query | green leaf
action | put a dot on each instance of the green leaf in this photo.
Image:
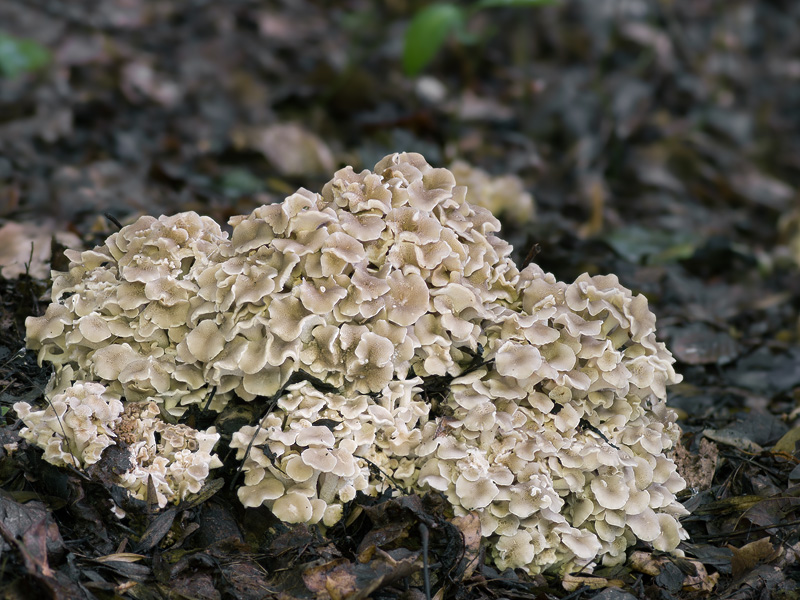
(503, 3)
(649, 246)
(240, 182)
(21, 56)
(427, 33)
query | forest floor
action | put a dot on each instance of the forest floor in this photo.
(661, 141)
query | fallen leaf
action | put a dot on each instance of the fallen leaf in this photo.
(652, 247)
(120, 557)
(695, 576)
(730, 438)
(767, 372)
(470, 527)
(699, 344)
(703, 581)
(787, 443)
(339, 578)
(746, 558)
(727, 507)
(772, 511)
(572, 582)
(157, 530)
(697, 469)
(22, 519)
(335, 578)
(26, 248)
(644, 562)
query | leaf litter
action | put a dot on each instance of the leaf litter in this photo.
(660, 140)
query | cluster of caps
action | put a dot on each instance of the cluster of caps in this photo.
(550, 419)
(502, 195)
(82, 419)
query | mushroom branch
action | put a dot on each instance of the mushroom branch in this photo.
(394, 342)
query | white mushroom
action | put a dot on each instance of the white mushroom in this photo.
(408, 298)
(475, 494)
(293, 508)
(584, 544)
(610, 491)
(436, 362)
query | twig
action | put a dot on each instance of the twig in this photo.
(730, 534)
(384, 473)
(426, 574)
(113, 219)
(532, 253)
(210, 398)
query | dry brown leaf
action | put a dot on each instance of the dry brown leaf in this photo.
(750, 555)
(730, 438)
(339, 578)
(470, 527)
(786, 444)
(334, 579)
(702, 581)
(120, 557)
(573, 582)
(26, 247)
(697, 469)
(644, 562)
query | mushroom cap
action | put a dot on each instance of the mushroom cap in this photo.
(205, 341)
(293, 508)
(320, 459)
(109, 361)
(315, 436)
(516, 549)
(475, 494)
(584, 544)
(94, 328)
(517, 360)
(646, 526)
(298, 469)
(610, 491)
(408, 298)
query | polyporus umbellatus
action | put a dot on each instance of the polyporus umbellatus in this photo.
(387, 337)
(502, 195)
(85, 418)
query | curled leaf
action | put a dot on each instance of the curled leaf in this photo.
(427, 33)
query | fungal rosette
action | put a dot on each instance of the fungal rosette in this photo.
(173, 460)
(323, 446)
(77, 425)
(503, 195)
(388, 340)
(118, 314)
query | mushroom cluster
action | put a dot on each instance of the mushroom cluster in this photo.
(560, 443)
(390, 341)
(313, 453)
(174, 460)
(120, 311)
(85, 418)
(502, 195)
(77, 425)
